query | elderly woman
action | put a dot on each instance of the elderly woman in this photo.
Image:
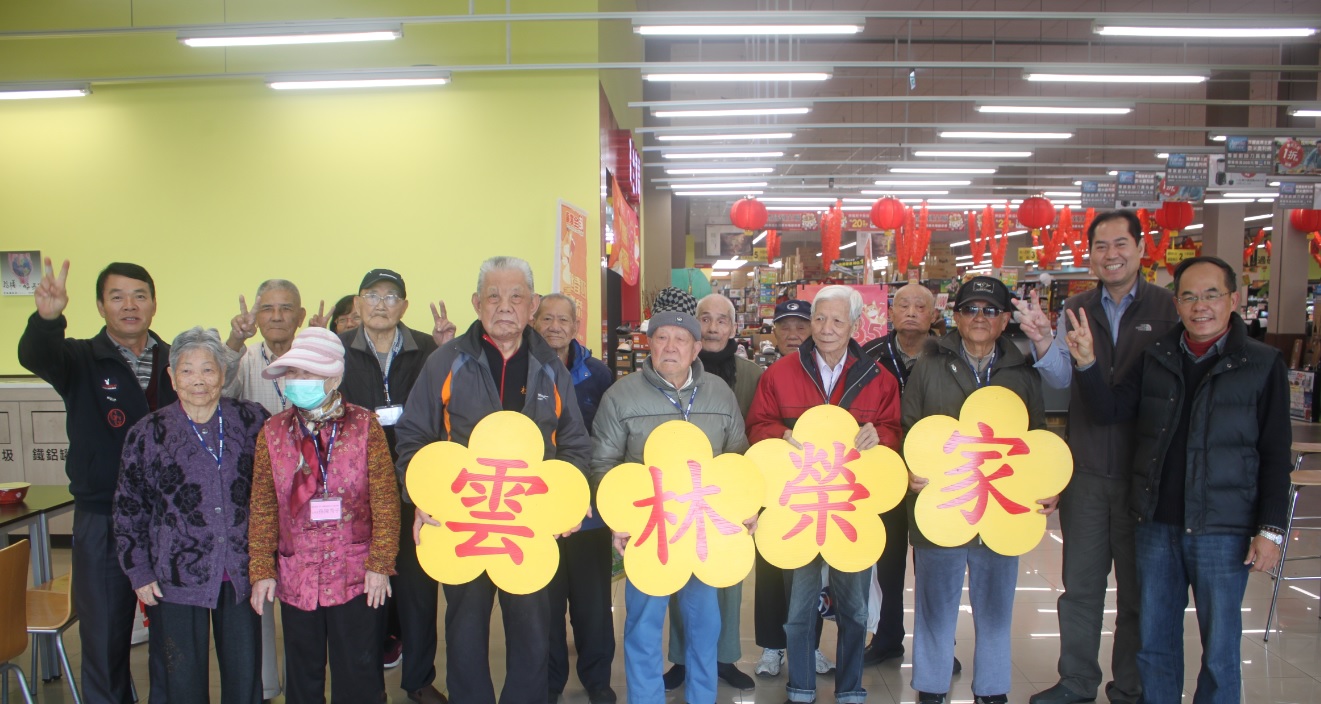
(325, 526)
(972, 356)
(829, 368)
(181, 524)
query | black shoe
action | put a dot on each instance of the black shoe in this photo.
(929, 698)
(732, 677)
(604, 695)
(1059, 694)
(958, 666)
(674, 677)
(992, 699)
(874, 654)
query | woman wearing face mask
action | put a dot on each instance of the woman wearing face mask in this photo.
(324, 526)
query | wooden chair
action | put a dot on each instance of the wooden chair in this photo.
(50, 613)
(13, 594)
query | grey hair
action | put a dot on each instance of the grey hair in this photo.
(278, 284)
(505, 264)
(716, 299)
(198, 338)
(573, 305)
(836, 292)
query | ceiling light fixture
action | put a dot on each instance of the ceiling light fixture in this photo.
(992, 134)
(42, 91)
(735, 112)
(275, 35)
(904, 193)
(760, 29)
(736, 76)
(1063, 194)
(719, 193)
(729, 264)
(760, 237)
(1267, 216)
(1204, 32)
(938, 170)
(722, 137)
(921, 183)
(737, 170)
(1217, 201)
(1115, 77)
(723, 155)
(744, 184)
(1308, 111)
(363, 79)
(1055, 109)
(973, 154)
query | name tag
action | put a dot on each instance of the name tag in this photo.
(326, 509)
(389, 415)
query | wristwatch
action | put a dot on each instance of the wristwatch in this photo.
(1274, 537)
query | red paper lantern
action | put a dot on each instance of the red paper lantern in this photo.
(1308, 221)
(748, 214)
(1174, 215)
(887, 213)
(1036, 212)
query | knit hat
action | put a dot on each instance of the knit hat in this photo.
(675, 318)
(315, 350)
(674, 299)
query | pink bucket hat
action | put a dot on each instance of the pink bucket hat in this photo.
(315, 350)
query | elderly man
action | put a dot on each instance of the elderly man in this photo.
(715, 315)
(672, 385)
(581, 585)
(1210, 480)
(108, 384)
(830, 368)
(499, 363)
(1126, 314)
(792, 325)
(969, 358)
(382, 360)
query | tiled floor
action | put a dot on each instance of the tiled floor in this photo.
(1288, 669)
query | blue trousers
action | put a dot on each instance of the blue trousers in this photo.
(849, 590)
(644, 662)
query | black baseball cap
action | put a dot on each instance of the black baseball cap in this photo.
(376, 276)
(793, 309)
(985, 288)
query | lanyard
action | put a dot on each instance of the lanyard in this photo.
(217, 456)
(898, 365)
(989, 363)
(675, 402)
(330, 449)
(274, 382)
(389, 360)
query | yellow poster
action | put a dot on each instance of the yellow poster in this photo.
(825, 497)
(683, 510)
(986, 473)
(500, 505)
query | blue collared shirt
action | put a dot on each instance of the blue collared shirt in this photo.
(1056, 366)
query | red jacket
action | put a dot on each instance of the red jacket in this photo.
(793, 385)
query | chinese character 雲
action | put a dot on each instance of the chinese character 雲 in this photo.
(494, 499)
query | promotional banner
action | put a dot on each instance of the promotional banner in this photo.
(1255, 155)
(825, 496)
(683, 510)
(626, 250)
(500, 505)
(1295, 157)
(21, 273)
(986, 473)
(571, 261)
(1187, 169)
(1099, 194)
(1297, 196)
(1137, 185)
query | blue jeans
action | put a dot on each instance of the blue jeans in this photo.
(643, 661)
(938, 586)
(1169, 561)
(849, 590)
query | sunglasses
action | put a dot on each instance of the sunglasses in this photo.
(973, 311)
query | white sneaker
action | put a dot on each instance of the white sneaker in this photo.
(823, 663)
(769, 664)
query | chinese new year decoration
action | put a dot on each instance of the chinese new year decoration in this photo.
(986, 472)
(500, 505)
(683, 510)
(1251, 249)
(1309, 222)
(1001, 245)
(824, 498)
(921, 239)
(831, 224)
(977, 239)
(1036, 213)
(748, 214)
(888, 214)
(772, 246)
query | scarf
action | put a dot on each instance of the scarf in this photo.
(721, 363)
(319, 422)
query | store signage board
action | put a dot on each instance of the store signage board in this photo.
(1219, 177)
(1137, 185)
(1099, 194)
(1297, 196)
(1295, 157)
(1254, 155)
(1187, 169)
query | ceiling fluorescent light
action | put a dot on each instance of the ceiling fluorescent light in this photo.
(921, 183)
(719, 193)
(904, 193)
(1267, 216)
(363, 79)
(1054, 110)
(935, 170)
(744, 170)
(974, 154)
(39, 92)
(729, 264)
(1218, 138)
(274, 35)
(734, 112)
(1206, 32)
(759, 29)
(1115, 77)
(722, 137)
(724, 155)
(985, 134)
(1217, 201)
(854, 243)
(736, 76)
(675, 185)
(760, 237)
(1300, 111)
(803, 199)
(1063, 194)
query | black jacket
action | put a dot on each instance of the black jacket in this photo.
(102, 401)
(1237, 454)
(363, 384)
(885, 350)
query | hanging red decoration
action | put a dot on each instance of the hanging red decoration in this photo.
(1175, 214)
(1068, 235)
(1252, 246)
(1307, 221)
(1035, 213)
(1087, 219)
(1314, 247)
(748, 214)
(888, 214)
(923, 238)
(772, 245)
(831, 224)
(1001, 243)
(1144, 218)
(977, 241)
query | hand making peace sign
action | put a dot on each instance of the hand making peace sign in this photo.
(444, 330)
(51, 294)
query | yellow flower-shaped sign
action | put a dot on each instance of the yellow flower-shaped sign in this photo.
(986, 473)
(499, 504)
(683, 510)
(826, 498)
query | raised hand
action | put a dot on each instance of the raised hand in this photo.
(444, 330)
(1034, 322)
(52, 296)
(320, 320)
(1080, 339)
(242, 327)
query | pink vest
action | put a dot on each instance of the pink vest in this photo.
(322, 563)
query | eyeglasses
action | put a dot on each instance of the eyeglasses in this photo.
(1189, 299)
(973, 311)
(390, 300)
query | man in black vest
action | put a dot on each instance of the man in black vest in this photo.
(1126, 314)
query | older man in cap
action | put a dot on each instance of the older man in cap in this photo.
(671, 385)
(792, 325)
(499, 363)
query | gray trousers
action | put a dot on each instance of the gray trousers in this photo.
(728, 648)
(1098, 529)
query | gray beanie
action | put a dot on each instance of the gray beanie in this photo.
(677, 319)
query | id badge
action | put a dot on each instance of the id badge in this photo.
(389, 415)
(326, 509)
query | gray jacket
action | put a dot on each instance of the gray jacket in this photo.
(642, 401)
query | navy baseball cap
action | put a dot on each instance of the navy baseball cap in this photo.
(793, 309)
(985, 288)
(376, 276)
